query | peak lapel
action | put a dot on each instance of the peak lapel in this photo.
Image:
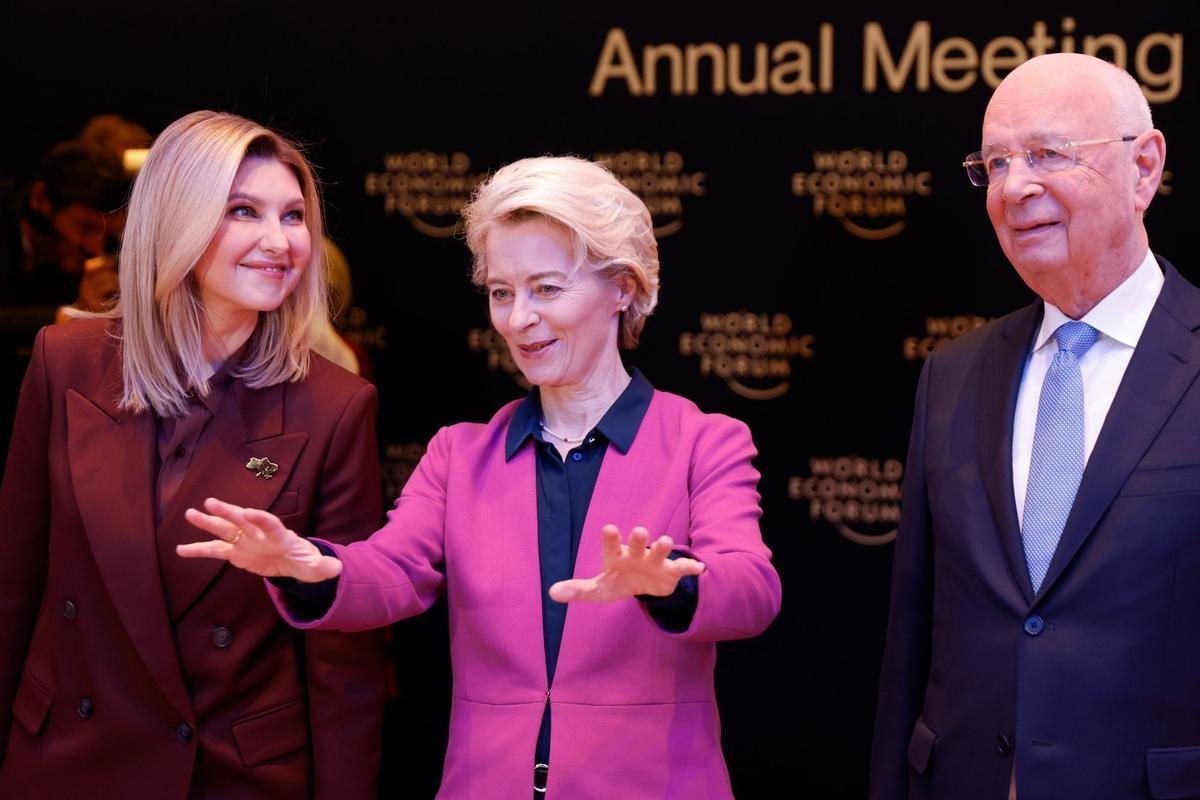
(249, 424)
(112, 462)
(1164, 365)
(1002, 364)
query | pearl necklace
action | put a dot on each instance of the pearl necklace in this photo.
(560, 437)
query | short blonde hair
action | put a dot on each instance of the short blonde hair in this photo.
(609, 225)
(177, 204)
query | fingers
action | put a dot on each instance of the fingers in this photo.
(234, 515)
(610, 543)
(328, 567)
(214, 549)
(687, 566)
(221, 528)
(265, 521)
(638, 538)
(576, 589)
(660, 549)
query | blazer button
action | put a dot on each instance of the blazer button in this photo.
(85, 707)
(70, 610)
(1034, 625)
(221, 636)
(183, 732)
(1003, 744)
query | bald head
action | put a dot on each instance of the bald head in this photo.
(1111, 93)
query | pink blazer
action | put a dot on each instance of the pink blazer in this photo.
(634, 711)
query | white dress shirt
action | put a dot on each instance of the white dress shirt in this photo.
(1120, 318)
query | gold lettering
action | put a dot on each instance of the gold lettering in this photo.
(616, 63)
(826, 50)
(1068, 42)
(944, 61)
(757, 84)
(876, 54)
(800, 66)
(716, 56)
(651, 55)
(1160, 87)
(1092, 45)
(991, 59)
(1039, 43)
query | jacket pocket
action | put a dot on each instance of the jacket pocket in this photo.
(920, 746)
(32, 704)
(1183, 479)
(286, 503)
(1173, 772)
(272, 733)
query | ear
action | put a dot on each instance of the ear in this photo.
(1150, 156)
(38, 200)
(626, 289)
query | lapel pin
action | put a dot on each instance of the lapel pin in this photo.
(263, 467)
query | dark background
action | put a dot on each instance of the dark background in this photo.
(500, 81)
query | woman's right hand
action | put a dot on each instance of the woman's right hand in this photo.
(258, 542)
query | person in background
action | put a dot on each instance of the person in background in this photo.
(57, 237)
(595, 539)
(124, 670)
(118, 136)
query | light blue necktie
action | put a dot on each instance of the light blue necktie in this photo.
(1056, 466)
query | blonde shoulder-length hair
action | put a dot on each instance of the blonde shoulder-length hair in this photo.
(609, 226)
(177, 204)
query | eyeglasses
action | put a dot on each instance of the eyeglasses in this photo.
(987, 169)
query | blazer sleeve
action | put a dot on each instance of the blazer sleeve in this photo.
(739, 590)
(346, 671)
(25, 526)
(906, 651)
(399, 571)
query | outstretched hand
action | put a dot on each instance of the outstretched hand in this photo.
(257, 542)
(629, 569)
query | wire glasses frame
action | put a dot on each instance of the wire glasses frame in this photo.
(1042, 158)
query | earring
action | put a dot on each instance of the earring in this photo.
(624, 308)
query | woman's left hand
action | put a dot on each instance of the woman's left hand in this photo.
(629, 569)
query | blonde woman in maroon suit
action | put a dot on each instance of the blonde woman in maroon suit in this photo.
(124, 670)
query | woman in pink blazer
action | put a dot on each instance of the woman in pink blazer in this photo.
(602, 699)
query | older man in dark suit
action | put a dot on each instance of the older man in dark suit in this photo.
(1045, 619)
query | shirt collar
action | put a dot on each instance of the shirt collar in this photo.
(619, 424)
(1122, 314)
(219, 383)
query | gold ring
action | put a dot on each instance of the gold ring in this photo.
(235, 539)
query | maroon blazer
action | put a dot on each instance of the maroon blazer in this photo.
(127, 671)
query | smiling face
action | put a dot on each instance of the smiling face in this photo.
(559, 322)
(262, 246)
(1062, 230)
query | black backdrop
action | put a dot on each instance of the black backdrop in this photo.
(817, 237)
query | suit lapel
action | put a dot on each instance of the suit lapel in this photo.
(517, 556)
(249, 424)
(1163, 366)
(613, 500)
(112, 462)
(1002, 365)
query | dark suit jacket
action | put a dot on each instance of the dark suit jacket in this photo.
(126, 671)
(1092, 684)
